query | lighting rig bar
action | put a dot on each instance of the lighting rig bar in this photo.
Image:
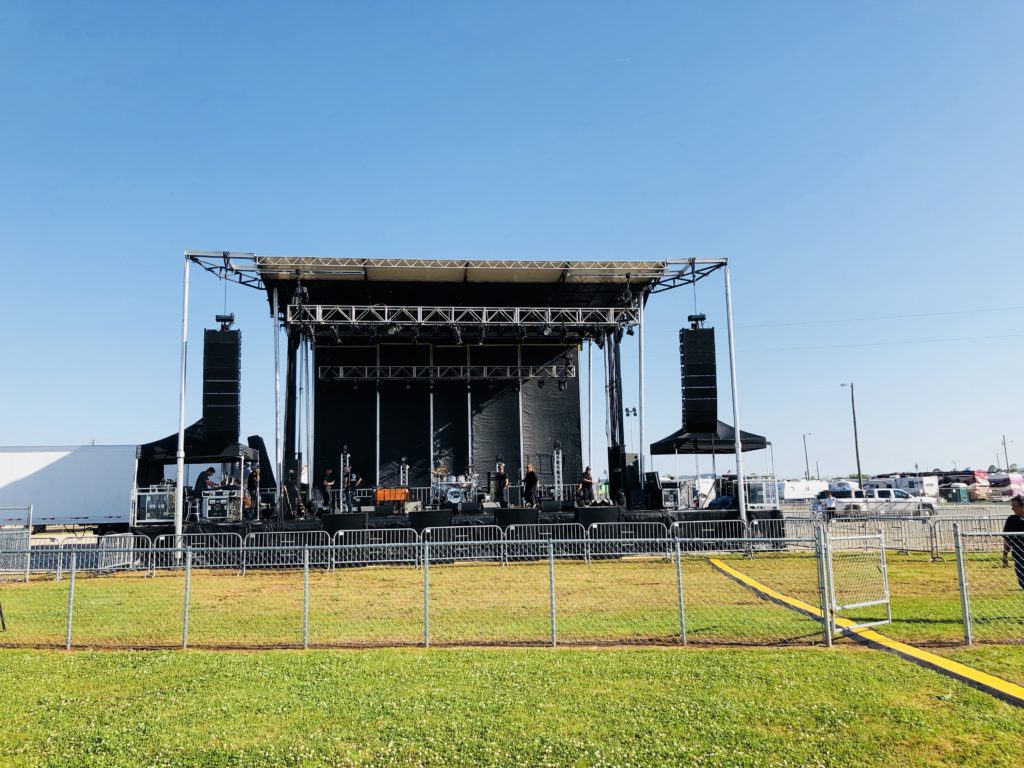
(446, 372)
(588, 317)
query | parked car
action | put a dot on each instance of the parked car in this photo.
(876, 501)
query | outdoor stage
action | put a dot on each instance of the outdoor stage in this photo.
(427, 374)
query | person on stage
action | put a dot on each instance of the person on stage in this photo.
(501, 486)
(327, 486)
(530, 485)
(586, 486)
(205, 482)
(350, 482)
(252, 486)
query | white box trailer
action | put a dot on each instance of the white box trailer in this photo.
(90, 485)
(801, 490)
(926, 485)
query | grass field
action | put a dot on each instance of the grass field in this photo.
(494, 707)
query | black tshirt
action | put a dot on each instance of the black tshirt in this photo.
(200, 485)
(328, 479)
(531, 480)
(253, 483)
(1015, 524)
(500, 479)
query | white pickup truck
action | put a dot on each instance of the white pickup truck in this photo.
(876, 501)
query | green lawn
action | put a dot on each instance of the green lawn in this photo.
(530, 707)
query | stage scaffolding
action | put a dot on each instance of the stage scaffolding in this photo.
(602, 299)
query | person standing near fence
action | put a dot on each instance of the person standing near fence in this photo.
(1015, 544)
(501, 486)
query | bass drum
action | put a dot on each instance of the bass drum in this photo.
(455, 496)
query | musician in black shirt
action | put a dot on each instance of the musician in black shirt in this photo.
(530, 485)
(1015, 544)
(501, 486)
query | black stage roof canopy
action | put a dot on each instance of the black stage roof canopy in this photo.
(719, 441)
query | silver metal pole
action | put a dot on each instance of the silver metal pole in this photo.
(590, 403)
(965, 597)
(640, 334)
(469, 418)
(426, 590)
(430, 395)
(522, 465)
(377, 443)
(188, 597)
(277, 402)
(740, 486)
(71, 600)
(679, 591)
(28, 547)
(305, 596)
(179, 483)
(311, 404)
(551, 590)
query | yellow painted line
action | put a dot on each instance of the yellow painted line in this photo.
(996, 686)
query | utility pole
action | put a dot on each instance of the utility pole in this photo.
(807, 463)
(1005, 456)
(856, 441)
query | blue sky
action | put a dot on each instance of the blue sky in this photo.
(859, 164)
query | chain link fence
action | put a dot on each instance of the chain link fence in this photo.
(625, 583)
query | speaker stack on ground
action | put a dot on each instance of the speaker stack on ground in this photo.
(431, 518)
(699, 383)
(344, 521)
(516, 516)
(586, 516)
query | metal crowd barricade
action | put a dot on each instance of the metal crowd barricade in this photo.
(283, 549)
(942, 531)
(87, 554)
(700, 535)
(624, 539)
(124, 551)
(526, 542)
(209, 550)
(15, 554)
(465, 542)
(376, 546)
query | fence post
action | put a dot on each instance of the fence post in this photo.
(551, 590)
(60, 561)
(824, 601)
(28, 546)
(305, 596)
(679, 590)
(71, 601)
(933, 541)
(426, 593)
(961, 577)
(188, 596)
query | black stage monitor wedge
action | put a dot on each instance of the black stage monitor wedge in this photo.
(699, 379)
(222, 365)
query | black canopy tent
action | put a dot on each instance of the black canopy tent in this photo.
(201, 447)
(722, 440)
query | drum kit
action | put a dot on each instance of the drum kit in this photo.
(453, 489)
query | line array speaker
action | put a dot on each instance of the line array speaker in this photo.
(222, 373)
(699, 379)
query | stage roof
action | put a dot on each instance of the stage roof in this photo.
(263, 271)
(722, 440)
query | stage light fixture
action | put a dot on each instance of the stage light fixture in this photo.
(562, 385)
(355, 385)
(392, 329)
(547, 329)
(457, 332)
(408, 385)
(629, 330)
(540, 383)
(335, 334)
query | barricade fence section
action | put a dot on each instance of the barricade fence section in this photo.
(448, 587)
(990, 571)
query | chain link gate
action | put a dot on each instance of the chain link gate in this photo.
(855, 581)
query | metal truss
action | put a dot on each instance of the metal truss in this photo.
(474, 317)
(227, 265)
(686, 272)
(559, 371)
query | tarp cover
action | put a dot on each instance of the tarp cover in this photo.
(200, 446)
(720, 441)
